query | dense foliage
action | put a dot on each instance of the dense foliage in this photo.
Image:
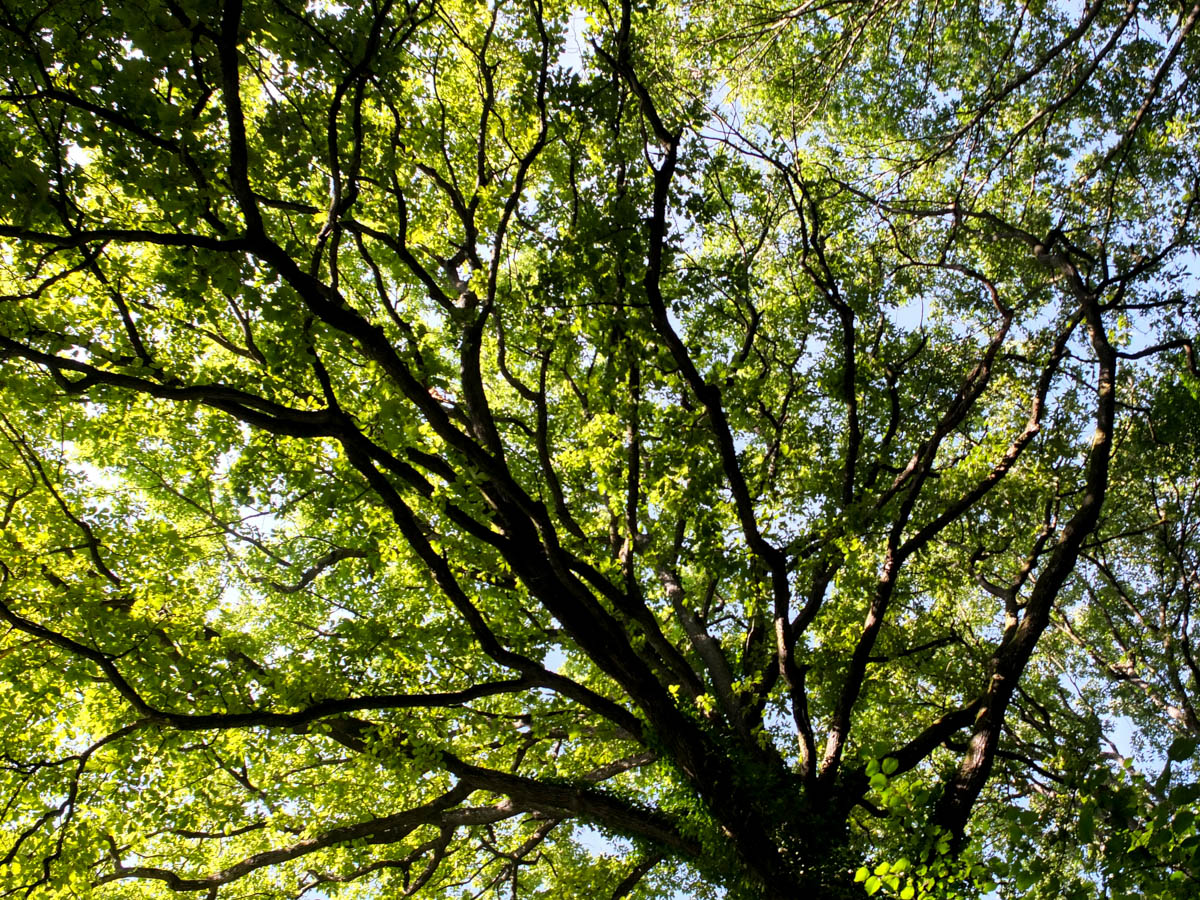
(469, 448)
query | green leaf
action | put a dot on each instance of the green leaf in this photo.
(1086, 824)
(1181, 749)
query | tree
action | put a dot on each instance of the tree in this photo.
(440, 435)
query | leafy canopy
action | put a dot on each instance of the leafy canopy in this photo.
(463, 449)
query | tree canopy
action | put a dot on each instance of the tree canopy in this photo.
(511, 448)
